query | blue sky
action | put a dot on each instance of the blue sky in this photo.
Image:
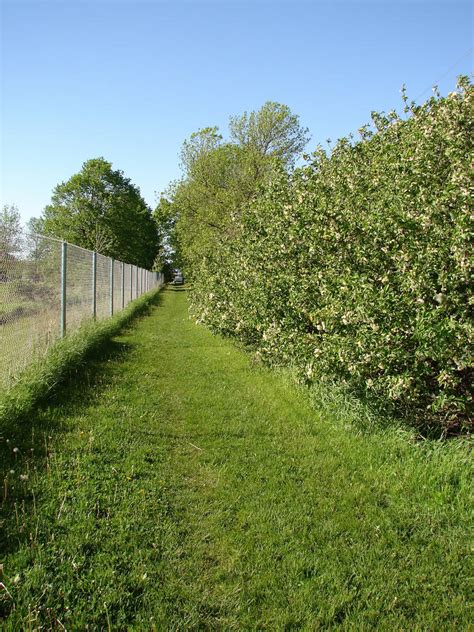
(130, 80)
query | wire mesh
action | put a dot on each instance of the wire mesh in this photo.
(31, 309)
(78, 286)
(127, 283)
(103, 286)
(134, 282)
(29, 301)
(117, 287)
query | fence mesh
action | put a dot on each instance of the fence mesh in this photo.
(78, 285)
(48, 288)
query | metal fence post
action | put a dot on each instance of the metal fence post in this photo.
(94, 285)
(122, 284)
(111, 286)
(136, 281)
(131, 282)
(63, 287)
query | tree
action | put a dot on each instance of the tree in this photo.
(200, 213)
(199, 144)
(100, 209)
(39, 248)
(10, 230)
(35, 225)
(273, 130)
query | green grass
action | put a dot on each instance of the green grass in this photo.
(49, 368)
(11, 300)
(176, 485)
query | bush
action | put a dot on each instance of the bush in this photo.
(358, 265)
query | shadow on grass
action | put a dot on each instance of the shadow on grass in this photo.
(25, 442)
(176, 288)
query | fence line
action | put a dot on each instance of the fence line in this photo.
(49, 287)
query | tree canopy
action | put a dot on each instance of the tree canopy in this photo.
(10, 230)
(272, 131)
(100, 209)
(220, 177)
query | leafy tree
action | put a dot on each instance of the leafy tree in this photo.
(10, 230)
(99, 208)
(35, 225)
(273, 130)
(199, 144)
(40, 248)
(200, 213)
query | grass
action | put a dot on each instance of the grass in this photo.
(47, 370)
(31, 327)
(175, 484)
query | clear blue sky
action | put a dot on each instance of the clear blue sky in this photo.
(130, 80)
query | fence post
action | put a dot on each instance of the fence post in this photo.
(94, 285)
(131, 282)
(63, 287)
(136, 281)
(122, 285)
(111, 286)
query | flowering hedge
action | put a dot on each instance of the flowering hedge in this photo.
(357, 266)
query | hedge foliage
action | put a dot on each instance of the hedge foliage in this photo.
(357, 265)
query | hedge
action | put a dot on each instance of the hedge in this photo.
(357, 266)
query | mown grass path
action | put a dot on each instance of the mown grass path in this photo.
(177, 486)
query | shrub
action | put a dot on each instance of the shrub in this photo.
(358, 265)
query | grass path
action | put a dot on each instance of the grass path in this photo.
(176, 486)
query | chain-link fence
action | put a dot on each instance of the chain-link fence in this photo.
(49, 287)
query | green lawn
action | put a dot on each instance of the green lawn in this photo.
(175, 485)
